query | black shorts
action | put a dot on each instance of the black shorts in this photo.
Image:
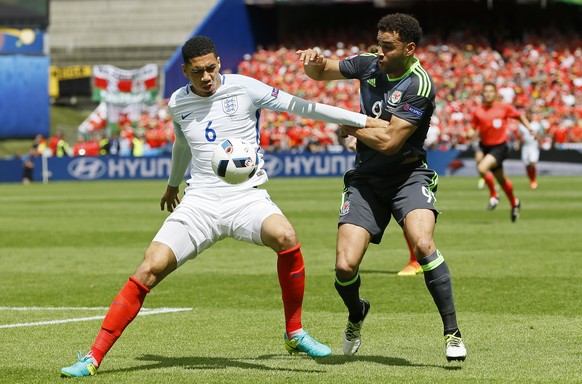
(27, 173)
(370, 201)
(500, 152)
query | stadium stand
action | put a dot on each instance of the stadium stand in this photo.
(544, 72)
(542, 65)
(124, 33)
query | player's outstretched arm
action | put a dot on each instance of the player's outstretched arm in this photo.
(381, 135)
(181, 157)
(525, 122)
(319, 67)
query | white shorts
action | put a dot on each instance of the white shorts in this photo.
(530, 153)
(204, 217)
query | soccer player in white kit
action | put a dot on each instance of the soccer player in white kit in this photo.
(530, 151)
(213, 107)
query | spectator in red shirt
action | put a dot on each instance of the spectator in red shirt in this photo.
(79, 148)
(490, 121)
(575, 133)
(560, 133)
(54, 141)
(84, 147)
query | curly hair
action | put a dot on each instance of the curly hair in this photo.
(197, 46)
(405, 25)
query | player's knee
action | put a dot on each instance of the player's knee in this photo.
(287, 239)
(423, 247)
(482, 169)
(278, 233)
(157, 264)
(281, 240)
(344, 269)
(144, 275)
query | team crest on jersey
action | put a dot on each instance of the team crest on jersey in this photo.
(395, 97)
(230, 105)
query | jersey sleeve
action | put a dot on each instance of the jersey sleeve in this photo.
(512, 112)
(181, 157)
(354, 67)
(265, 96)
(474, 120)
(414, 108)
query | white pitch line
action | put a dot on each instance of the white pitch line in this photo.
(67, 309)
(143, 312)
(55, 308)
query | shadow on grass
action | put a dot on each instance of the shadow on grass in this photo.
(377, 272)
(210, 363)
(384, 360)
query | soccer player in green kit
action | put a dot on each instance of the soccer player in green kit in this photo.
(391, 177)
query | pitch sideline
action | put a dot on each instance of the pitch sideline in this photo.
(142, 312)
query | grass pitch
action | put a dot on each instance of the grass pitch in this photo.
(67, 248)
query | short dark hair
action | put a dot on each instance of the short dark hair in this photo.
(490, 84)
(405, 25)
(197, 46)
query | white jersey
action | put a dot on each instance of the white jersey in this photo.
(530, 149)
(526, 135)
(233, 111)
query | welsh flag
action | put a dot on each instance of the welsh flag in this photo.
(120, 92)
(117, 86)
(96, 121)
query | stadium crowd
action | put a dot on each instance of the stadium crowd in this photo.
(541, 74)
(152, 134)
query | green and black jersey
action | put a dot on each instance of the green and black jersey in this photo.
(411, 97)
